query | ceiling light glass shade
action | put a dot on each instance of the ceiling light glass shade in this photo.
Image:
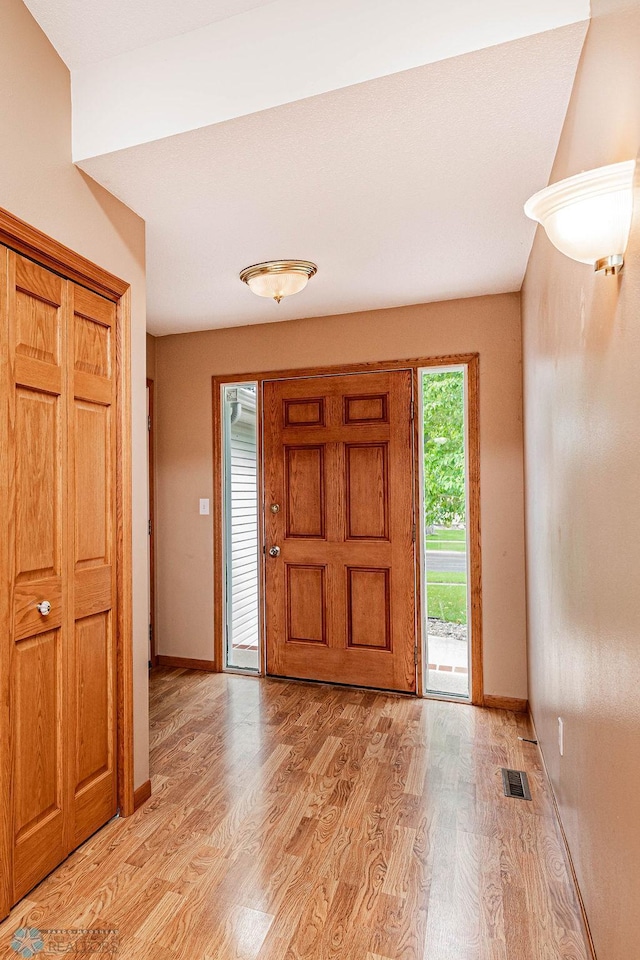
(588, 217)
(278, 278)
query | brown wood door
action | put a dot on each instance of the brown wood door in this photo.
(57, 565)
(338, 463)
(36, 535)
(91, 555)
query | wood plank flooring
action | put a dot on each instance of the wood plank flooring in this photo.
(293, 821)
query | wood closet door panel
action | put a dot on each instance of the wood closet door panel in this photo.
(92, 567)
(36, 331)
(39, 764)
(57, 493)
(340, 597)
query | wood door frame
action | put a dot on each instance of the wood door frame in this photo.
(151, 448)
(472, 363)
(35, 245)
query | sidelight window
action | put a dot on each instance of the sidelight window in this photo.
(240, 526)
(445, 538)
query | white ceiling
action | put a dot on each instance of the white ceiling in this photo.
(405, 189)
(88, 31)
(392, 143)
(285, 51)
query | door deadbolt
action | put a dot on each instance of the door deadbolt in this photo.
(274, 551)
(275, 508)
(44, 608)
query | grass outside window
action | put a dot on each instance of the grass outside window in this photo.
(447, 540)
(447, 601)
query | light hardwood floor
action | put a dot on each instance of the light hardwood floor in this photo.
(303, 821)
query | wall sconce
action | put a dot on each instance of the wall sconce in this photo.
(588, 217)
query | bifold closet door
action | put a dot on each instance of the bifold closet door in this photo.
(57, 565)
(92, 555)
(36, 518)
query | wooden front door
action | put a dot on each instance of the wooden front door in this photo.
(338, 465)
(57, 564)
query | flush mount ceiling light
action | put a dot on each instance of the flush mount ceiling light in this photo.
(588, 217)
(278, 278)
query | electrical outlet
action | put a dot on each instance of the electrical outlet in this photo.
(561, 736)
(204, 508)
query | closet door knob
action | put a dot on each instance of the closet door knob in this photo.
(44, 608)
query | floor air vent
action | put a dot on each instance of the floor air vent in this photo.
(516, 784)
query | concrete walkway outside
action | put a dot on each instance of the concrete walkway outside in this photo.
(448, 665)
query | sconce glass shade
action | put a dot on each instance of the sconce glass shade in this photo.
(588, 217)
(278, 278)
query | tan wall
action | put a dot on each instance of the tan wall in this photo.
(185, 364)
(40, 185)
(151, 357)
(582, 426)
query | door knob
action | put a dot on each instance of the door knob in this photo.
(44, 608)
(274, 551)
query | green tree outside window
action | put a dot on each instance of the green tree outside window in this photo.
(444, 467)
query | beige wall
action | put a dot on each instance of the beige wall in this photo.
(39, 184)
(185, 364)
(151, 357)
(582, 432)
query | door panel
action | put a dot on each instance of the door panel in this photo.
(340, 597)
(307, 412)
(36, 713)
(38, 766)
(366, 409)
(36, 521)
(38, 324)
(304, 491)
(92, 339)
(91, 439)
(93, 590)
(369, 607)
(306, 603)
(93, 663)
(27, 619)
(367, 491)
(94, 802)
(37, 429)
(92, 570)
